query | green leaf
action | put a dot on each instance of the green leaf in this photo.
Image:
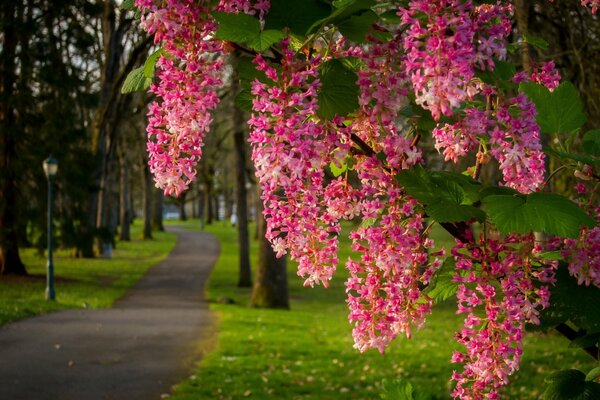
(248, 73)
(591, 142)
(536, 41)
(570, 385)
(150, 63)
(298, 16)
(128, 5)
(266, 39)
(238, 28)
(442, 285)
(357, 27)
(447, 197)
(244, 100)
(537, 212)
(398, 389)
(504, 70)
(559, 111)
(345, 10)
(136, 81)
(586, 159)
(337, 171)
(593, 375)
(573, 302)
(339, 91)
(589, 340)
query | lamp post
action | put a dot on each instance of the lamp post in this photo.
(50, 168)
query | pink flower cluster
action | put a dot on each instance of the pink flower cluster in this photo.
(498, 294)
(291, 150)
(189, 75)
(442, 53)
(514, 140)
(546, 75)
(593, 4)
(583, 254)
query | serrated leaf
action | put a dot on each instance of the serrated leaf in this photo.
(345, 10)
(572, 302)
(589, 340)
(573, 156)
(536, 41)
(504, 70)
(442, 285)
(136, 81)
(244, 100)
(266, 39)
(559, 111)
(570, 385)
(537, 212)
(128, 5)
(248, 73)
(447, 197)
(238, 28)
(591, 142)
(337, 171)
(357, 27)
(339, 91)
(298, 16)
(150, 63)
(593, 375)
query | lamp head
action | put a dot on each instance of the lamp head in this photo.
(50, 167)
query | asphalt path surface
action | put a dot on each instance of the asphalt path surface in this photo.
(138, 349)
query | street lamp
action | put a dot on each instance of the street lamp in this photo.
(50, 168)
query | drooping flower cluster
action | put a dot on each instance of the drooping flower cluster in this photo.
(546, 75)
(442, 54)
(499, 295)
(516, 144)
(583, 254)
(188, 77)
(514, 140)
(291, 150)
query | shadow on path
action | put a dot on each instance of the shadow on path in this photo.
(138, 349)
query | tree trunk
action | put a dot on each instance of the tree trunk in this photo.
(181, 201)
(124, 200)
(245, 273)
(208, 204)
(10, 260)
(270, 286)
(148, 191)
(157, 211)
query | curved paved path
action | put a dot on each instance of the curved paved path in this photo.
(138, 349)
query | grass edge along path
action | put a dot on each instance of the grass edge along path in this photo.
(307, 353)
(81, 282)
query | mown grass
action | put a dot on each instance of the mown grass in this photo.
(306, 353)
(79, 282)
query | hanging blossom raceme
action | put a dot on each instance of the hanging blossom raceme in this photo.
(290, 150)
(441, 55)
(383, 289)
(189, 74)
(546, 75)
(583, 254)
(515, 142)
(500, 291)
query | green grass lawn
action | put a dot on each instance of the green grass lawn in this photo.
(306, 353)
(80, 282)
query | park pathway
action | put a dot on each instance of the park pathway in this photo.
(136, 350)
